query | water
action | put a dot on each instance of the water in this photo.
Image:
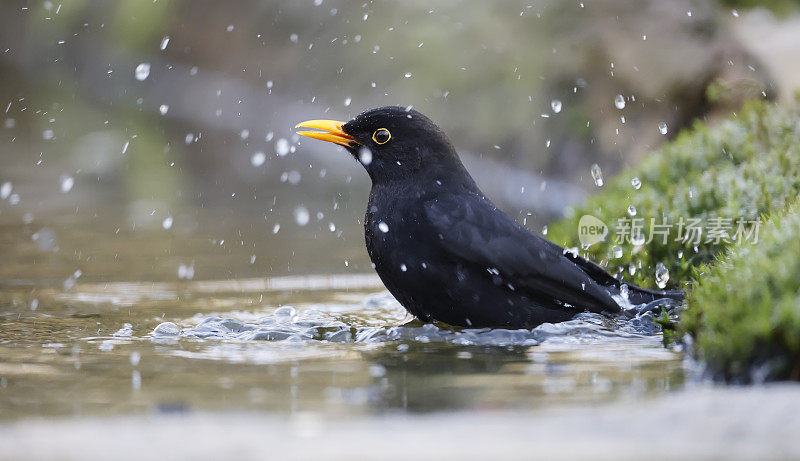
(114, 329)
(662, 275)
(142, 71)
(148, 323)
(597, 175)
(619, 102)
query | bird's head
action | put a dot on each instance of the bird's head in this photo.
(390, 142)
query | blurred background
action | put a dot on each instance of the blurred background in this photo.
(156, 206)
(153, 140)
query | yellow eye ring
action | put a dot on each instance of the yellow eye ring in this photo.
(381, 136)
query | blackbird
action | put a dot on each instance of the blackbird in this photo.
(445, 251)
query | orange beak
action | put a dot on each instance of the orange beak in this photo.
(331, 131)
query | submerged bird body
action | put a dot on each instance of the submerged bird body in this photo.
(445, 251)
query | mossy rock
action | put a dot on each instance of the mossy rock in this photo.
(744, 310)
(740, 169)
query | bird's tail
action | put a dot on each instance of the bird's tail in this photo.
(638, 295)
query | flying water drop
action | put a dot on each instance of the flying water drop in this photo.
(282, 147)
(142, 71)
(5, 190)
(258, 158)
(167, 223)
(662, 275)
(555, 104)
(164, 42)
(301, 216)
(636, 183)
(597, 175)
(163, 109)
(631, 210)
(67, 182)
(365, 156)
(619, 102)
(662, 127)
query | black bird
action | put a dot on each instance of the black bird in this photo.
(444, 250)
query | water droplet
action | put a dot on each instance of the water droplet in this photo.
(632, 269)
(383, 227)
(597, 175)
(167, 329)
(5, 190)
(189, 138)
(282, 147)
(735, 13)
(67, 182)
(403, 267)
(163, 109)
(636, 183)
(164, 42)
(619, 102)
(637, 240)
(244, 134)
(301, 216)
(332, 227)
(276, 228)
(365, 155)
(662, 275)
(285, 313)
(185, 272)
(48, 135)
(662, 127)
(408, 75)
(136, 380)
(347, 101)
(616, 250)
(135, 358)
(544, 230)
(293, 177)
(167, 222)
(142, 71)
(258, 158)
(631, 210)
(555, 104)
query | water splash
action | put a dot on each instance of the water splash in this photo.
(381, 319)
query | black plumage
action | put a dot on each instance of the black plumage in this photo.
(444, 250)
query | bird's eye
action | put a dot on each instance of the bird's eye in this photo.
(381, 136)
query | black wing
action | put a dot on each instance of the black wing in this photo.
(473, 229)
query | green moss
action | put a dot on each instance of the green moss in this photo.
(739, 169)
(744, 310)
